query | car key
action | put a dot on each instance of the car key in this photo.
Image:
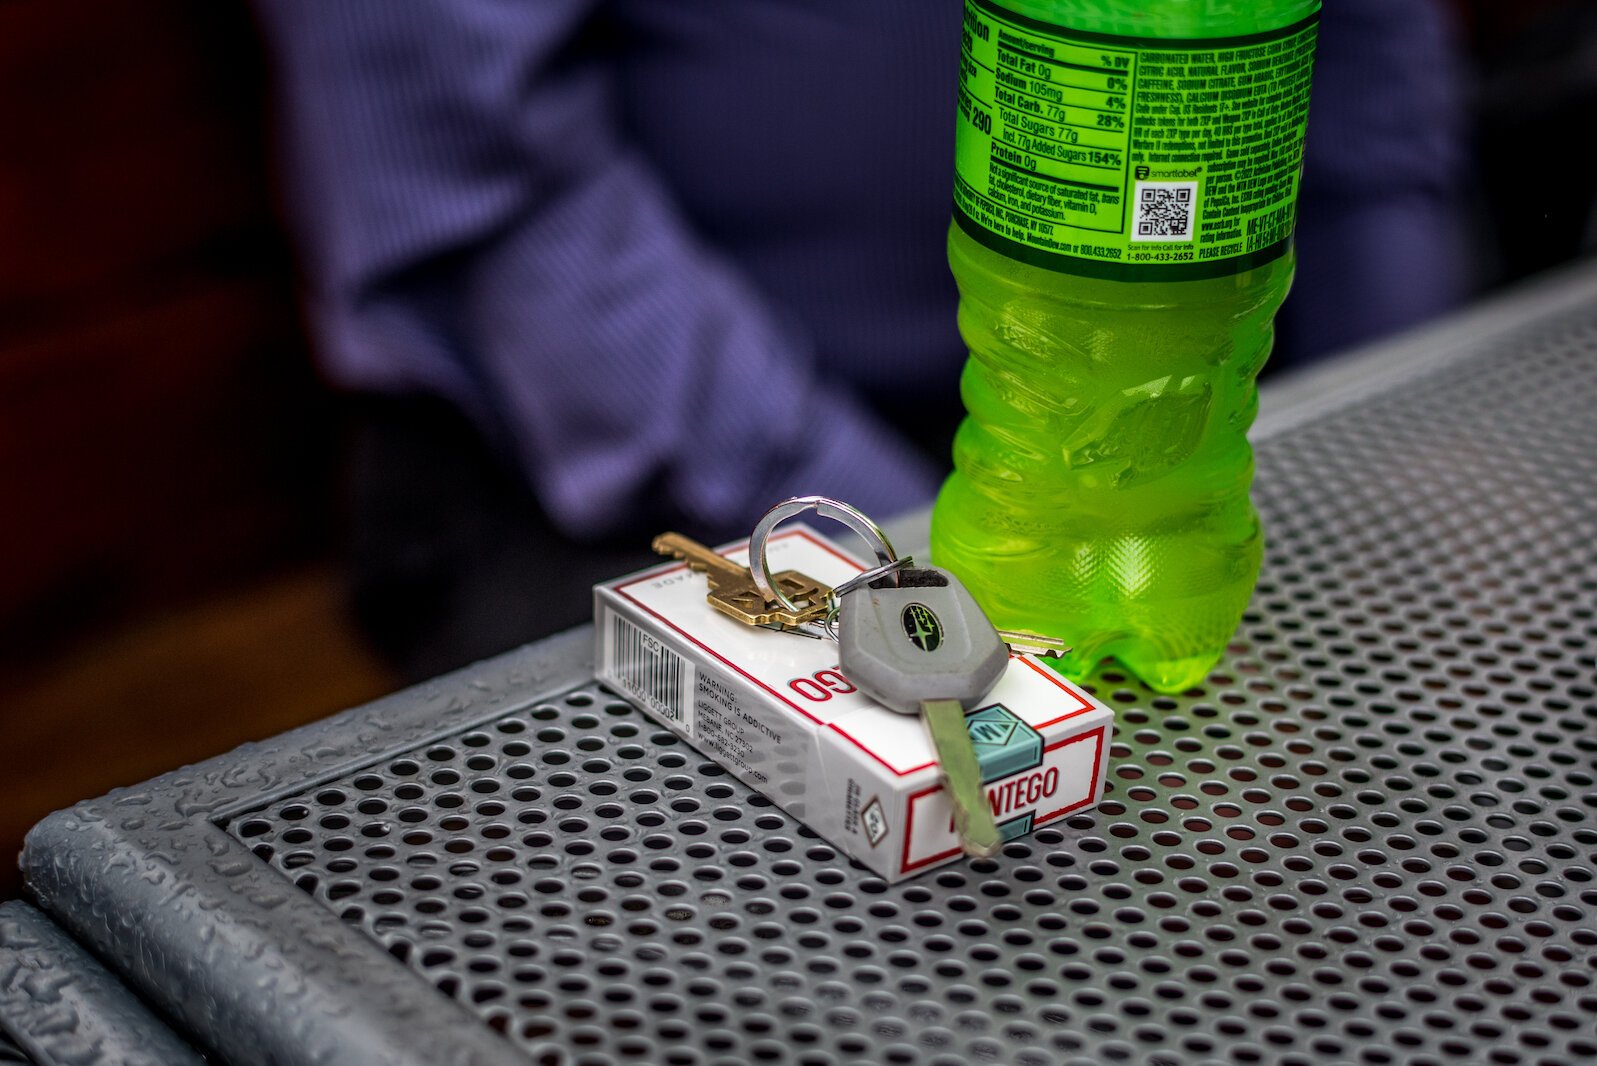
(733, 591)
(927, 648)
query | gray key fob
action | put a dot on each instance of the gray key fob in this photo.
(928, 639)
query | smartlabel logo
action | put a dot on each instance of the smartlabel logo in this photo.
(922, 627)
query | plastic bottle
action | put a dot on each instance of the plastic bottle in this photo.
(1100, 491)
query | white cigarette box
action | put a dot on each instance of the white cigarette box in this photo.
(774, 709)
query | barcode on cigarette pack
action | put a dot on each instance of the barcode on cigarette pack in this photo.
(651, 673)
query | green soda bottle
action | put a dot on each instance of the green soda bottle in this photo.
(1126, 183)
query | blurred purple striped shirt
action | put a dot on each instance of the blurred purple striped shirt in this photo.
(670, 253)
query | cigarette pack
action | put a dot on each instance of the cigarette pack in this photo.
(774, 709)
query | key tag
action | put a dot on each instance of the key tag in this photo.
(888, 563)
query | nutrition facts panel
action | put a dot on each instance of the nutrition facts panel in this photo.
(1130, 157)
(1059, 124)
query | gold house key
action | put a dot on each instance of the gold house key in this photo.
(734, 593)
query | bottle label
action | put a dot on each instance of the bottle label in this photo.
(1131, 158)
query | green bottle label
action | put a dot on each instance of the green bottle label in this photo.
(1130, 158)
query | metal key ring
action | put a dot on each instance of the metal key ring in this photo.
(875, 573)
(826, 507)
(864, 577)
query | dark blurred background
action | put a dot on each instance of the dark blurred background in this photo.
(167, 453)
(170, 583)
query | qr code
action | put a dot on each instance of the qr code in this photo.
(1164, 210)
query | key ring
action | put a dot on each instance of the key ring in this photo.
(875, 573)
(864, 577)
(826, 507)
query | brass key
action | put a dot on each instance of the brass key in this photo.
(732, 588)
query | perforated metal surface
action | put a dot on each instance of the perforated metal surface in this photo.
(1370, 837)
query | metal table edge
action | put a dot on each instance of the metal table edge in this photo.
(61, 1006)
(142, 874)
(1344, 380)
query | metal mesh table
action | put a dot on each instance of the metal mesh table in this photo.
(1369, 837)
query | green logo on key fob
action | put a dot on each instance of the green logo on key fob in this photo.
(922, 627)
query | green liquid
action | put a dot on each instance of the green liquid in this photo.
(1100, 491)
